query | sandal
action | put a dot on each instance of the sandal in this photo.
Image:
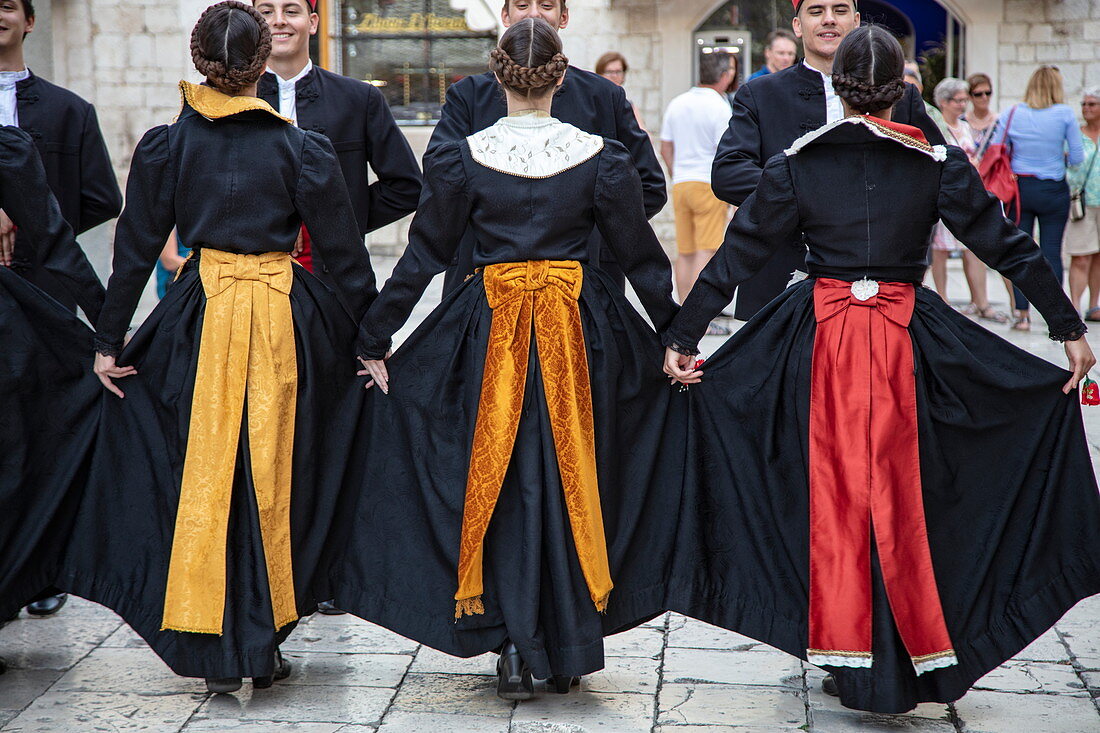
(970, 310)
(1022, 322)
(989, 314)
(1092, 314)
(717, 329)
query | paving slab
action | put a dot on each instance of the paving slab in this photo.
(584, 712)
(446, 694)
(1024, 676)
(55, 642)
(219, 725)
(360, 670)
(20, 687)
(1047, 648)
(136, 670)
(692, 634)
(301, 704)
(117, 712)
(346, 634)
(768, 668)
(852, 721)
(644, 641)
(706, 704)
(400, 721)
(430, 661)
(624, 674)
(1007, 712)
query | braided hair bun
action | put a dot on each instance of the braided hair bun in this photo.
(868, 69)
(529, 60)
(230, 45)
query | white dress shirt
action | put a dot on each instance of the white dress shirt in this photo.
(287, 97)
(834, 109)
(9, 115)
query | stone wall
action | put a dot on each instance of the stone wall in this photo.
(1065, 33)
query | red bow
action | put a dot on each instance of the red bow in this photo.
(894, 300)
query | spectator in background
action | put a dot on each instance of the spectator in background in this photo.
(913, 76)
(1083, 237)
(981, 117)
(951, 96)
(171, 259)
(1042, 128)
(694, 123)
(613, 67)
(780, 51)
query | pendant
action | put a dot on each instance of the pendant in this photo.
(864, 289)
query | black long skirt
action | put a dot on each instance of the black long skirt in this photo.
(401, 567)
(1010, 498)
(49, 401)
(122, 539)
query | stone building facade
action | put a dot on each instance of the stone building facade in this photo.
(127, 55)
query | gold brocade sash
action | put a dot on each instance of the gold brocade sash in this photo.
(541, 296)
(247, 347)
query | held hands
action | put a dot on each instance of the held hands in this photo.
(106, 369)
(7, 240)
(299, 245)
(376, 370)
(681, 368)
(1081, 359)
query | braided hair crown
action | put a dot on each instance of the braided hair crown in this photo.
(528, 59)
(868, 69)
(230, 45)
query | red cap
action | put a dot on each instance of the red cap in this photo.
(313, 4)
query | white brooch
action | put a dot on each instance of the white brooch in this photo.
(864, 289)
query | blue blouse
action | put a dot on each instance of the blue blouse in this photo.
(1040, 139)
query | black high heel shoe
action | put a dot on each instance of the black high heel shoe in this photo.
(561, 683)
(514, 680)
(223, 685)
(282, 671)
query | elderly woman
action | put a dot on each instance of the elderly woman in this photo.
(1082, 240)
(1043, 134)
(951, 96)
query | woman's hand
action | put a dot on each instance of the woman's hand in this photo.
(1081, 359)
(106, 369)
(681, 367)
(376, 370)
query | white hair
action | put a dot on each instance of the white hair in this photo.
(1093, 92)
(948, 88)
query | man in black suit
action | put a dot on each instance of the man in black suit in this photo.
(771, 112)
(585, 100)
(351, 113)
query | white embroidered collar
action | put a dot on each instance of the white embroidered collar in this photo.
(532, 146)
(936, 152)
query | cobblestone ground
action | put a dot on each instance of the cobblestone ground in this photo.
(83, 670)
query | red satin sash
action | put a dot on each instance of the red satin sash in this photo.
(864, 472)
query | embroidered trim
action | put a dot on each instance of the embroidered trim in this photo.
(1074, 334)
(939, 660)
(936, 152)
(838, 658)
(533, 147)
(214, 105)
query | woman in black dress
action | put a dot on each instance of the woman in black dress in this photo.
(874, 483)
(510, 502)
(48, 395)
(217, 483)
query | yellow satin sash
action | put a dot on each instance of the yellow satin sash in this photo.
(246, 349)
(540, 296)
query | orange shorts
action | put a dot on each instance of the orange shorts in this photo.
(701, 217)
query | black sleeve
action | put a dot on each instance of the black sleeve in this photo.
(397, 189)
(637, 142)
(767, 220)
(455, 120)
(622, 224)
(440, 220)
(100, 197)
(737, 164)
(25, 195)
(322, 199)
(917, 115)
(142, 230)
(976, 218)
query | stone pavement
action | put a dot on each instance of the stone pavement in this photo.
(84, 671)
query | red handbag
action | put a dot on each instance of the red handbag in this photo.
(995, 169)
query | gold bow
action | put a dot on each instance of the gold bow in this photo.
(246, 348)
(540, 296)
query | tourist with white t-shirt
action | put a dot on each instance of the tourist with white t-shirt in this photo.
(693, 124)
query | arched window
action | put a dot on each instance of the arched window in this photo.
(412, 50)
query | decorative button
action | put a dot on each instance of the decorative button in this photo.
(864, 289)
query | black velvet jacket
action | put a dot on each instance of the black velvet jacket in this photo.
(243, 183)
(25, 196)
(585, 100)
(770, 113)
(355, 117)
(66, 132)
(866, 205)
(517, 219)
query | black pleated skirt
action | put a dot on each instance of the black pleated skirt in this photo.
(49, 403)
(400, 570)
(121, 540)
(1010, 497)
